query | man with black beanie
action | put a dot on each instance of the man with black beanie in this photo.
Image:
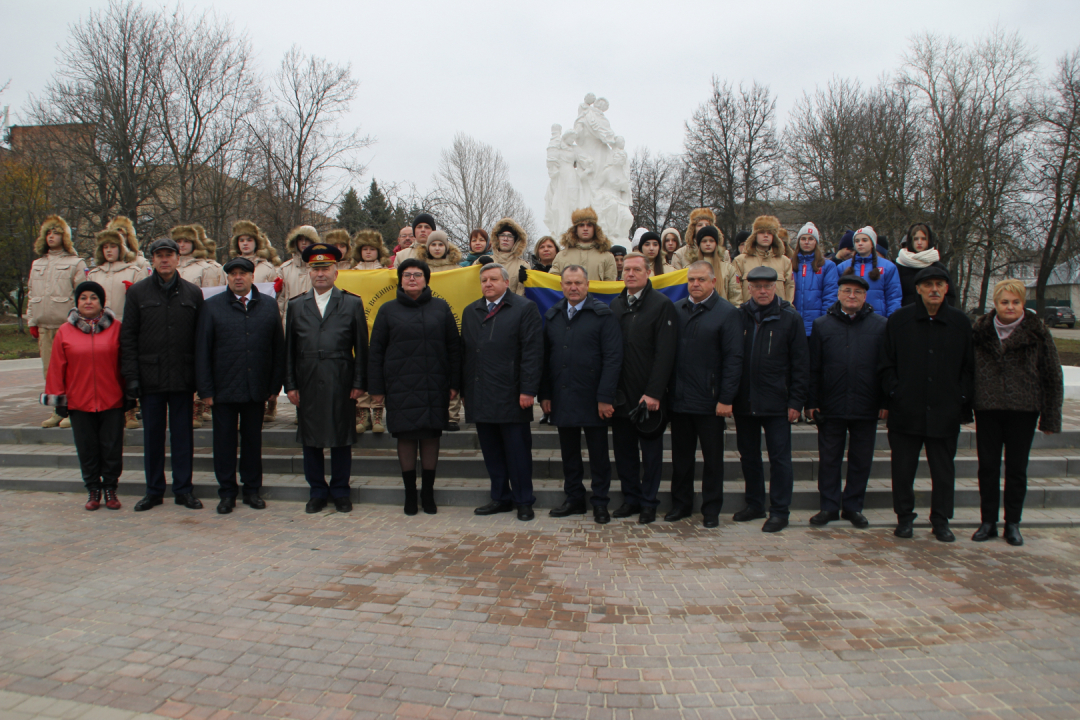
(422, 226)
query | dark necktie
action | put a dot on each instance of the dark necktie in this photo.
(573, 312)
(491, 307)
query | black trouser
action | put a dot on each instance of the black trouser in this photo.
(99, 441)
(340, 469)
(574, 468)
(1013, 431)
(507, 449)
(178, 407)
(250, 417)
(781, 477)
(687, 431)
(637, 489)
(940, 455)
(832, 433)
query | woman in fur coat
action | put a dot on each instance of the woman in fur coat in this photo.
(1018, 383)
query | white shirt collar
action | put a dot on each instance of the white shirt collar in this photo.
(248, 296)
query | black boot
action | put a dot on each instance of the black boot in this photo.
(409, 478)
(427, 491)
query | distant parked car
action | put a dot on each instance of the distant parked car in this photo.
(1055, 315)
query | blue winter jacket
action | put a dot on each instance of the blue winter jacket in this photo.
(815, 293)
(885, 294)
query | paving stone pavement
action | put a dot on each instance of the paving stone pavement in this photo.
(278, 614)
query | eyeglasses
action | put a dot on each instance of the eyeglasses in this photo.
(412, 275)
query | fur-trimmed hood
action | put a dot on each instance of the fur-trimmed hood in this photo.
(54, 222)
(518, 251)
(106, 237)
(263, 248)
(127, 230)
(770, 224)
(570, 239)
(691, 232)
(196, 234)
(300, 231)
(372, 239)
(452, 257)
(340, 236)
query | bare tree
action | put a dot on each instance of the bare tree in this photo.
(733, 149)
(207, 92)
(473, 190)
(1056, 168)
(102, 107)
(661, 187)
(305, 157)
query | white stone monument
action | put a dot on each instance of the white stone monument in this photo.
(589, 167)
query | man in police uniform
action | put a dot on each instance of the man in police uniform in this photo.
(325, 373)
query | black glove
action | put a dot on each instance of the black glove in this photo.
(132, 391)
(485, 259)
(130, 403)
(61, 410)
(523, 274)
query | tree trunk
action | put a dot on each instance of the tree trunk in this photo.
(988, 266)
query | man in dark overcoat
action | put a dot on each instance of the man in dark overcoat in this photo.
(325, 373)
(582, 357)
(157, 359)
(239, 364)
(845, 399)
(708, 368)
(927, 373)
(503, 339)
(649, 333)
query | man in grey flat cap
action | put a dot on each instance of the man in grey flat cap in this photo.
(775, 382)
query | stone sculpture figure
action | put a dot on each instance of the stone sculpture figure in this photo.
(589, 167)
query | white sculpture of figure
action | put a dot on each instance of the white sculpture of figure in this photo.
(555, 146)
(600, 175)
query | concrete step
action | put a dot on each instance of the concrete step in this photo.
(803, 438)
(546, 463)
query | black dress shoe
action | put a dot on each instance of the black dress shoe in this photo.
(774, 524)
(600, 514)
(494, 507)
(525, 513)
(626, 510)
(315, 505)
(855, 518)
(452, 427)
(943, 533)
(676, 514)
(255, 502)
(343, 504)
(148, 502)
(226, 505)
(647, 516)
(748, 513)
(545, 420)
(905, 529)
(189, 501)
(1012, 534)
(711, 521)
(985, 532)
(568, 508)
(824, 517)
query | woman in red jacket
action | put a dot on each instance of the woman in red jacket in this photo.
(84, 383)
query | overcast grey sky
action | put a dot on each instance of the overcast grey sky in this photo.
(503, 72)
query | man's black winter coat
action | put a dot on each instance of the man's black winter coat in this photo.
(649, 335)
(239, 353)
(325, 360)
(503, 358)
(415, 360)
(157, 337)
(582, 358)
(928, 370)
(709, 358)
(776, 361)
(844, 354)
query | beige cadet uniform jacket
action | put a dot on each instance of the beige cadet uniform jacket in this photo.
(295, 281)
(201, 272)
(111, 277)
(599, 265)
(785, 284)
(53, 279)
(265, 272)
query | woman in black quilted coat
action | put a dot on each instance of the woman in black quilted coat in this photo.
(1018, 383)
(415, 362)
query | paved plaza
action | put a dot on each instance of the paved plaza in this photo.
(188, 614)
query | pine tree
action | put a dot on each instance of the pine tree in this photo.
(351, 215)
(377, 211)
